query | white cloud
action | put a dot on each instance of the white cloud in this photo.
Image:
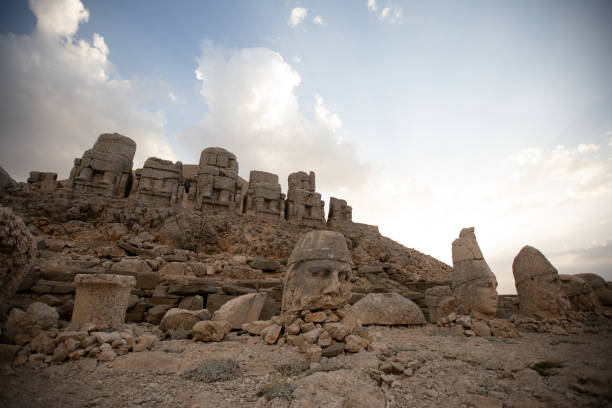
(561, 174)
(297, 60)
(392, 13)
(318, 20)
(298, 15)
(610, 142)
(587, 148)
(58, 17)
(64, 92)
(324, 115)
(608, 133)
(254, 113)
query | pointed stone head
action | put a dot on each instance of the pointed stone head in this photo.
(474, 284)
(319, 271)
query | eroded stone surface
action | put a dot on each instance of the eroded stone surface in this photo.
(474, 284)
(106, 168)
(318, 276)
(18, 248)
(538, 286)
(101, 299)
(264, 198)
(387, 309)
(304, 205)
(159, 181)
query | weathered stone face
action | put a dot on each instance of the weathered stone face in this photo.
(319, 271)
(217, 187)
(264, 198)
(340, 213)
(159, 181)
(474, 284)
(107, 168)
(538, 286)
(304, 205)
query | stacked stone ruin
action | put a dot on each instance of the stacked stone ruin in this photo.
(213, 185)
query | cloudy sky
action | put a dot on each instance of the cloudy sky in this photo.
(426, 116)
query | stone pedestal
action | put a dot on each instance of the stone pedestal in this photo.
(101, 299)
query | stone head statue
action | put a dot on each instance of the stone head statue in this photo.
(474, 284)
(319, 271)
(538, 285)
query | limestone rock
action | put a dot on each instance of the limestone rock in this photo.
(340, 213)
(440, 302)
(101, 299)
(6, 181)
(210, 330)
(481, 328)
(304, 205)
(337, 389)
(537, 285)
(257, 326)
(17, 247)
(159, 181)
(387, 309)
(598, 284)
(218, 187)
(179, 319)
(271, 333)
(337, 330)
(192, 303)
(579, 293)
(243, 309)
(264, 198)
(319, 271)
(188, 231)
(474, 284)
(106, 168)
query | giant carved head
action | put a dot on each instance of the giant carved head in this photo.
(319, 271)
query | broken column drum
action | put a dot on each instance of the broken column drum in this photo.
(217, 182)
(106, 168)
(159, 181)
(318, 276)
(101, 299)
(304, 205)
(264, 198)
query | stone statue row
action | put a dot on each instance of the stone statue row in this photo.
(542, 292)
(213, 184)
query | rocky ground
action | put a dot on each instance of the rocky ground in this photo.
(424, 367)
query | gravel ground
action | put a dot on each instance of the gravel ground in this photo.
(444, 370)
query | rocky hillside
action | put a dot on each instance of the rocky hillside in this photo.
(177, 254)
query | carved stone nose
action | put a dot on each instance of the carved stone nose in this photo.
(333, 284)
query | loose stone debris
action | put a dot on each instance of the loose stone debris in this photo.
(185, 285)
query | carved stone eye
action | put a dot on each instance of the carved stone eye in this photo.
(319, 272)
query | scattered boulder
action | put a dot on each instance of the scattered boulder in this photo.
(210, 330)
(181, 319)
(188, 231)
(17, 247)
(243, 309)
(387, 309)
